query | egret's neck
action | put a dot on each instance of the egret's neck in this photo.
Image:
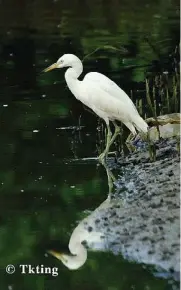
(72, 74)
(76, 248)
(79, 255)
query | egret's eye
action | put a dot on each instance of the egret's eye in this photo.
(61, 61)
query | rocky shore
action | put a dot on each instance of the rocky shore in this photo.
(140, 218)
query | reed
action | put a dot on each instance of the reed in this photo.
(175, 90)
(151, 106)
(162, 95)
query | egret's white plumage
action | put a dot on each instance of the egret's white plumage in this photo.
(102, 95)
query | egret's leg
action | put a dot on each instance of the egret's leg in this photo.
(105, 152)
(110, 140)
(133, 134)
(111, 179)
(116, 133)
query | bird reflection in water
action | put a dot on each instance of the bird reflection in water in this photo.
(85, 234)
(138, 230)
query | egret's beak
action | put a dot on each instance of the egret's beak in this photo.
(55, 254)
(51, 67)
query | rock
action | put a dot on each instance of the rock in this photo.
(140, 219)
(169, 126)
(173, 118)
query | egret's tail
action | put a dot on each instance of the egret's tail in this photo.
(140, 124)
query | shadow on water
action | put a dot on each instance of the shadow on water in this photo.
(141, 231)
(49, 179)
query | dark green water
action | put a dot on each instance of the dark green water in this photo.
(43, 191)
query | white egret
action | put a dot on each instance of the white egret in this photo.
(103, 96)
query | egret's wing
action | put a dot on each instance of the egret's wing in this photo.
(109, 102)
(104, 104)
(110, 87)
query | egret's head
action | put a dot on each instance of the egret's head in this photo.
(73, 262)
(66, 60)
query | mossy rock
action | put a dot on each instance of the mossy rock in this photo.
(174, 118)
(169, 126)
(165, 131)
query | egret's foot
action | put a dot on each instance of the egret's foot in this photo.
(102, 157)
(131, 138)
